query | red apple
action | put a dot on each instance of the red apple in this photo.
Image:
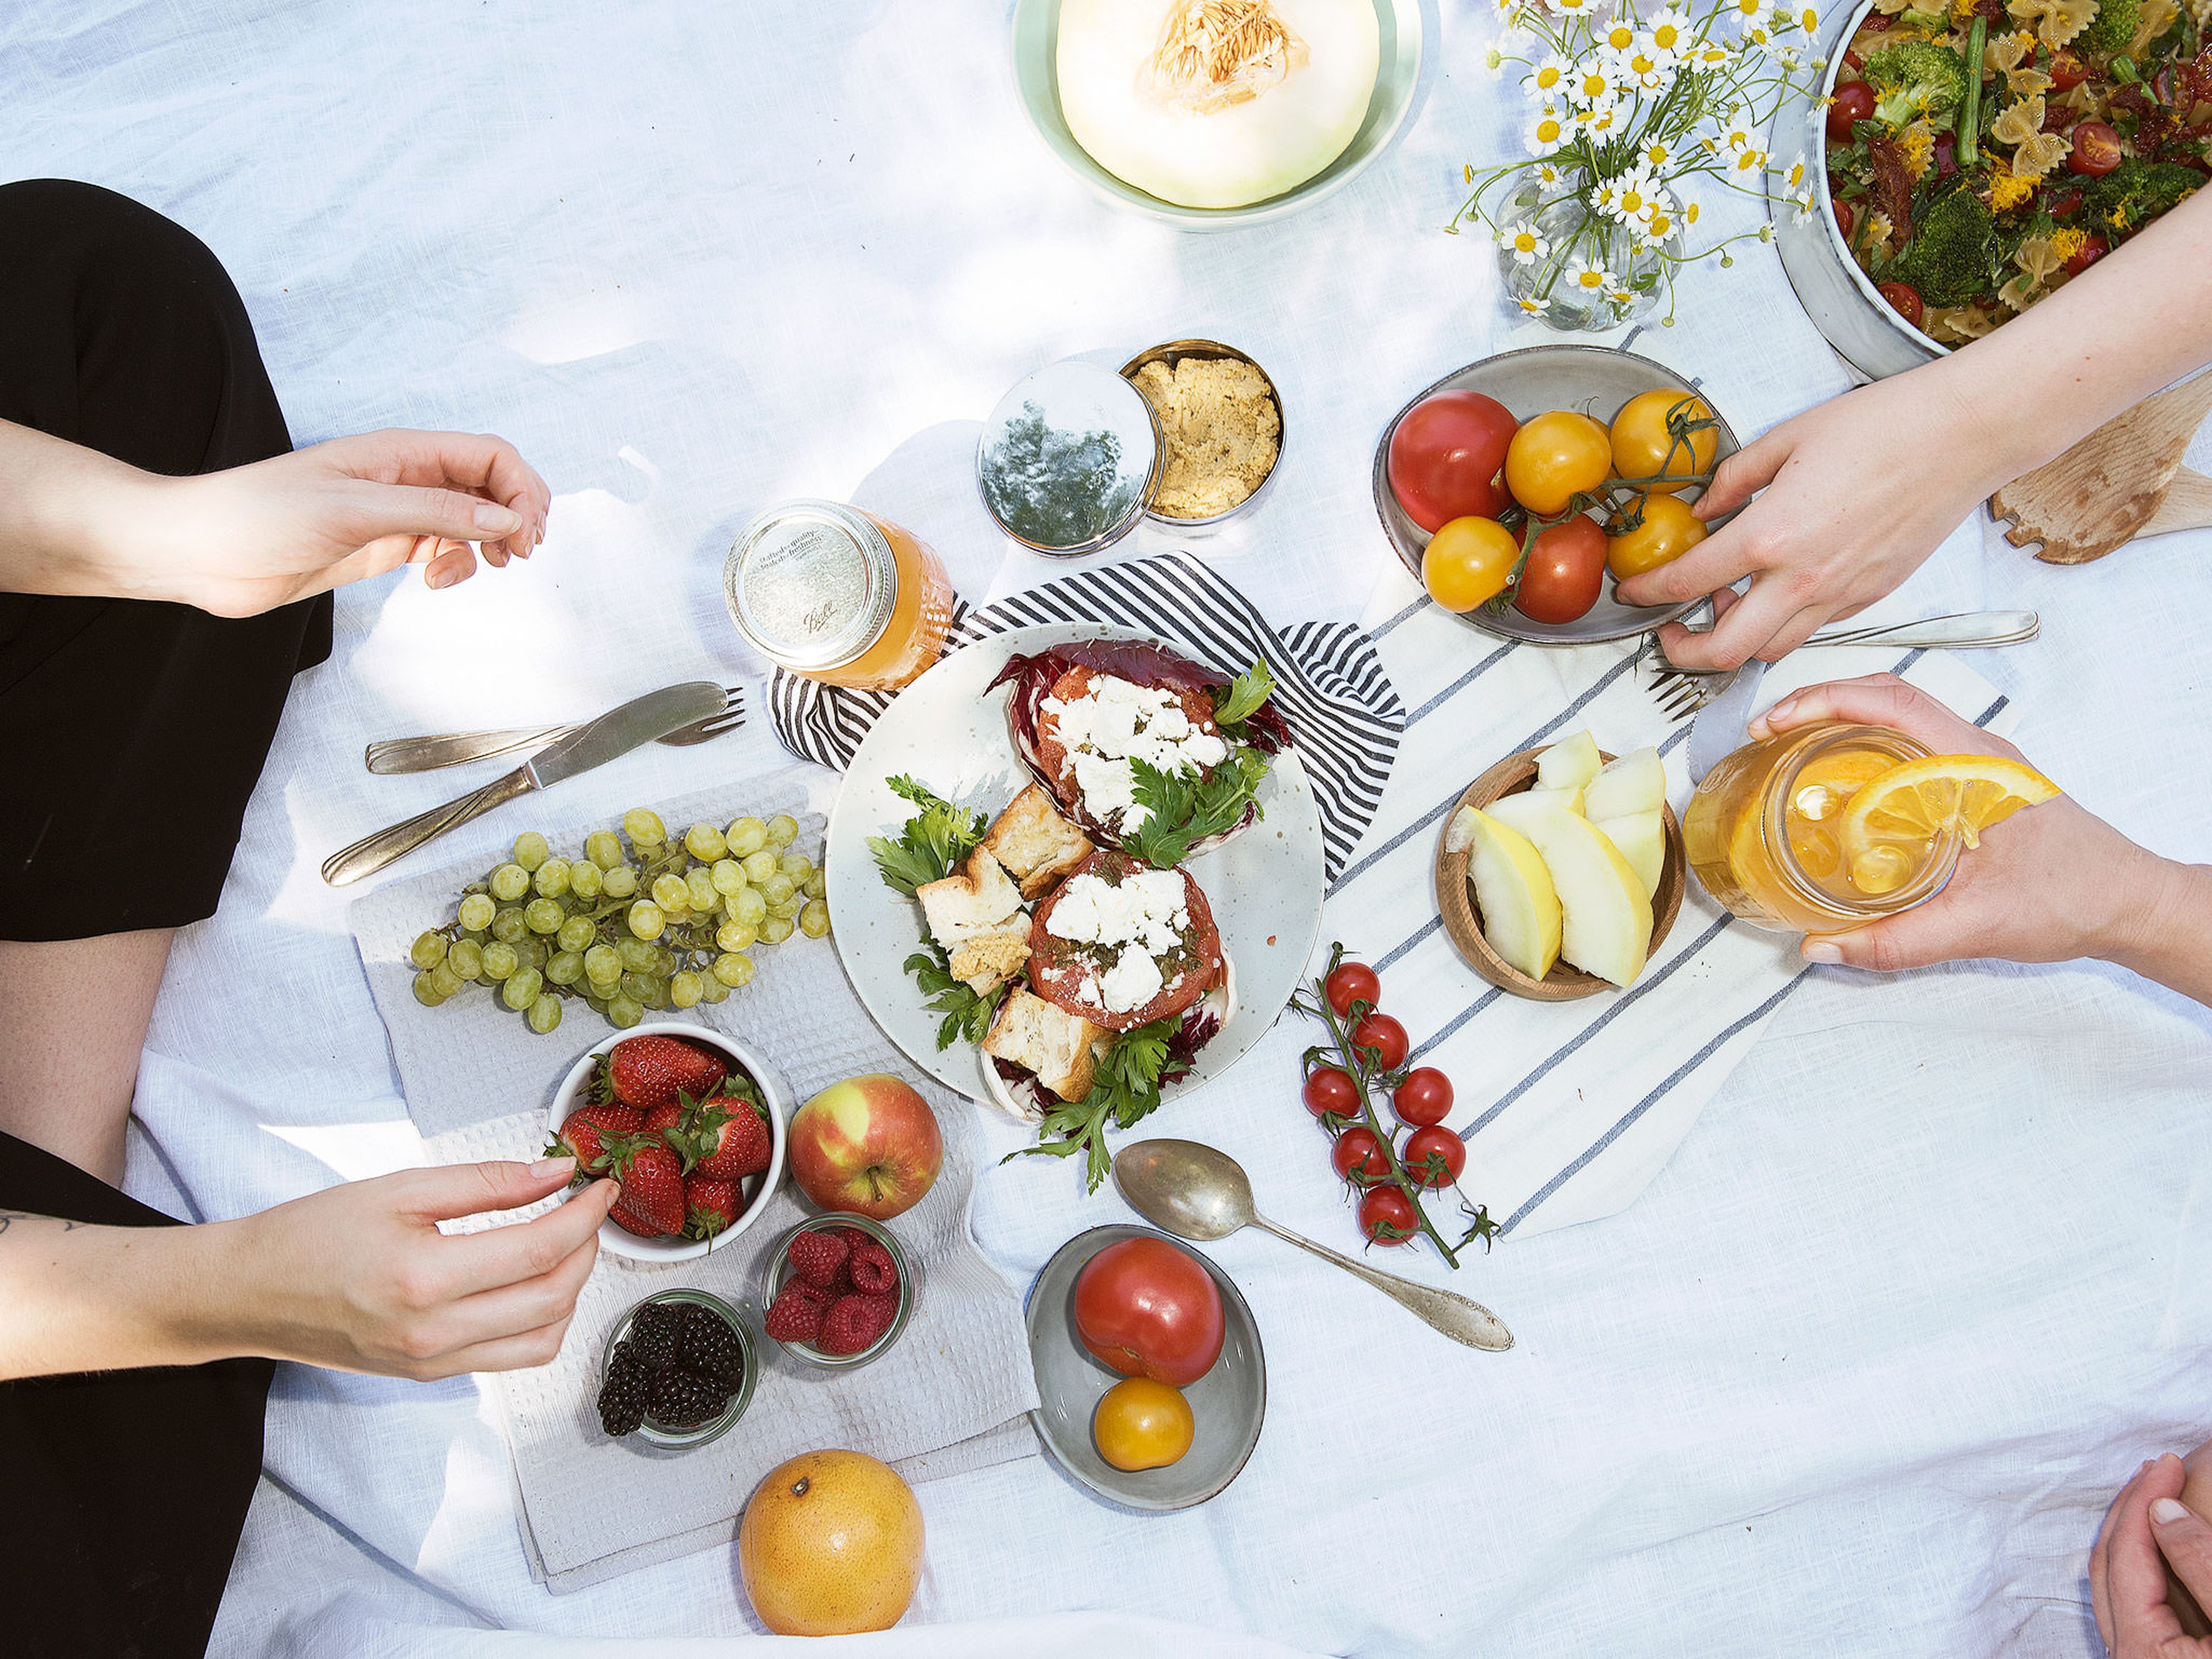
(869, 1144)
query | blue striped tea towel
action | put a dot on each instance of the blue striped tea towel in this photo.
(1569, 1110)
(1345, 717)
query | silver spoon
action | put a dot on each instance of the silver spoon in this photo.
(1197, 1193)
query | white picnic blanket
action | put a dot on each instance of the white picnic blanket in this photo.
(1856, 1373)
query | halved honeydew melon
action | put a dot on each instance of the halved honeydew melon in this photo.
(1521, 915)
(1570, 763)
(1641, 838)
(1635, 783)
(1605, 913)
(1216, 103)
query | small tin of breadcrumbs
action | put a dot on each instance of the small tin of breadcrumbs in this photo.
(1221, 425)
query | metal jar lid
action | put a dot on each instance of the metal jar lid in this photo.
(1069, 459)
(811, 584)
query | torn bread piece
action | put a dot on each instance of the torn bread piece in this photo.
(978, 918)
(1047, 1040)
(1035, 844)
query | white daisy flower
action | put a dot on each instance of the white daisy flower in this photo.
(1571, 8)
(1690, 209)
(1618, 35)
(1642, 65)
(1794, 178)
(1525, 243)
(1656, 154)
(1635, 199)
(1593, 83)
(1659, 226)
(1547, 174)
(1807, 210)
(1755, 34)
(1601, 122)
(1549, 78)
(1750, 7)
(1590, 279)
(1737, 137)
(1547, 131)
(1604, 196)
(1709, 55)
(1671, 32)
(1751, 160)
(1534, 309)
(1808, 20)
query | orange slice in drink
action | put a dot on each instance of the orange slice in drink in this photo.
(1891, 823)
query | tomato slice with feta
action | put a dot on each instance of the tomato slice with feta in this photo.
(1123, 945)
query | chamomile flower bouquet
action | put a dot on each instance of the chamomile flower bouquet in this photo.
(1640, 115)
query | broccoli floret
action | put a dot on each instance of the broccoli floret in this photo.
(2135, 192)
(1951, 259)
(2112, 28)
(1914, 78)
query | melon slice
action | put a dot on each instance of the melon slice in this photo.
(1641, 838)
(1637, 782)
(1605, 913)
(1570, 763)
(1521, 915)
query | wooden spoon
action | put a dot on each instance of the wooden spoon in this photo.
(2116, 483)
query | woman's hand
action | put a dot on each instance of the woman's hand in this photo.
(358, 1277)
(2146, 1531)
(255, 536)
(1858, 492)
(2051, 882)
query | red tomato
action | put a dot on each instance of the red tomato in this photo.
(1359, 1156)
(1386, 1216)
(1351, 982)
(1854, 102)
(1426, 1097)
(1843, 216)
(1148, 1309)
(1385, 1035)
(1433, 1156)
(1853, 62)
(1903, 299)
(2062, 204)
(1565, 572)
(2066, 70)
(2092, 250)
(1447, 457)
(1330, 1091)
(1947, 154)
(2096, 150)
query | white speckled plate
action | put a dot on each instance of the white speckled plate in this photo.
(1265, 886)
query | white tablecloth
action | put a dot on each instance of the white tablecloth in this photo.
(1855, 1375)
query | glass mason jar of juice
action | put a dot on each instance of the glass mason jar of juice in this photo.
(838, 595)
(1762, 835)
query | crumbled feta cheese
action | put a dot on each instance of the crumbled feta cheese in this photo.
(1133, 924)
(1117, 722)
(1131, 983)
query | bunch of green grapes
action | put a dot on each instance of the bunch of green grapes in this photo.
(658, 923)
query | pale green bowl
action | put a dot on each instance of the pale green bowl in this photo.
(1036, 47)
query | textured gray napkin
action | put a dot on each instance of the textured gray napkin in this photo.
(952, 1394)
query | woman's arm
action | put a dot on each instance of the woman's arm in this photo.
(1858, 491)
(357, 1278)
(2052, 883)
(73, 521)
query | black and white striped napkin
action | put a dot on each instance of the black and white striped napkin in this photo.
(1344, 714)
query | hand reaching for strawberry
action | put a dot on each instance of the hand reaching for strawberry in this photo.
(356, 1277)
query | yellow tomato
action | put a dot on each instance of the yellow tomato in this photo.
(1669, 530)
(1644, 447)
(1141, 1425)
(1554, 458)
(1467, 562)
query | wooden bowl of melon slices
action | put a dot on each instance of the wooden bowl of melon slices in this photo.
(1560, 872)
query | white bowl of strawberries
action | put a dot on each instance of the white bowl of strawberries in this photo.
(690, 1121)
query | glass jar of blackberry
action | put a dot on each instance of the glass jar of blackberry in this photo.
(678, 1370)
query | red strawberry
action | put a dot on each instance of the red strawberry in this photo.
(583, 1134)
(873, 1269)
(646, 1071)
(795, 1316)
(651, 1201)
(713, 1203)
(817, 1258)
(856, 1323)
(728, 1136)
(664, 1120)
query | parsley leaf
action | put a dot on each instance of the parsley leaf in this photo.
(1184, 808)
(934, 840)
(1125, 1090)
(1235, 703)
(966, 1014)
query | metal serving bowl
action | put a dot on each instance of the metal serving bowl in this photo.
(1841, 299)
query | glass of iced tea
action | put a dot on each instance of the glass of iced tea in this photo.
(1761, 832)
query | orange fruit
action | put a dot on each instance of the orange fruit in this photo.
(1141, 1425)
(1890, 822)
(830, 1545)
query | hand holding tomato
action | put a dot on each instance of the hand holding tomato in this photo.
(1148, 1308)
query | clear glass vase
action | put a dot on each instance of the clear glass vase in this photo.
(1573, 234)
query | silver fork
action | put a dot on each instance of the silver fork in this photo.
(1682, 691)
(458, 747)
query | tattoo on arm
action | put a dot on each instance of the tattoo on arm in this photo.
(10, 1218)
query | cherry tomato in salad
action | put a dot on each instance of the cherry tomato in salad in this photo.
(1854, 101)
(2062, 204)
(1386, 1216)
(1947, 154)
(2066, 70)
(2093, 248)
(1564, 573)
(1358, 1154)
(1329, 1091)
(1468, 562)
(1554, 456)
(1447, 457)
(1350, 982)
(1425, 1097)
(1853, 62)
(1845, 217)
(1385, 1035)
(1433, 1156)
(1667, 530)
(2096, 150)
(1903, 299)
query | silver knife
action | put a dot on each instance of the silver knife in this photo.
(1723, 724)
(637, 722)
